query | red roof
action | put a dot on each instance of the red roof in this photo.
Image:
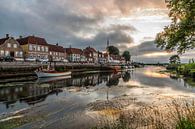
(86, 53)
(90, 49)
(2, 41)
(56, 48)
(73, 51)
(32, 40)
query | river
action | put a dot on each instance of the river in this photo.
(63, 102)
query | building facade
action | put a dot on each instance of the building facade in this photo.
(34, 47)
(10, 47)
(57, 52)
(91, 55)
(73, 54)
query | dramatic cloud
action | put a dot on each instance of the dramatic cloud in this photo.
(81, 23)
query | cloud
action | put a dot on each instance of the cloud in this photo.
(148, 52)
(79, 23)
(127, 6)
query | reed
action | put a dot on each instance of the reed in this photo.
(175, 115)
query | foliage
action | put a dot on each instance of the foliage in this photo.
(126, 55)
(185, 124)
(175, 59)
(113, 50)
(180, 34)
(191, 61)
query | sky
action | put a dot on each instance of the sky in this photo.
(128, 24)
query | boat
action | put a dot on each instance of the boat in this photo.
(52, 79)
(45, 74)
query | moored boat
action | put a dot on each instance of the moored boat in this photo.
(44, 74)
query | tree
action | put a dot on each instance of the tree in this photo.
(127, 56)
(175, 59)
(180, 34)
(113, 50)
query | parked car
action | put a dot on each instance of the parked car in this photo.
(30, 59)
(65, 61)
(9, 59)
(43, 60)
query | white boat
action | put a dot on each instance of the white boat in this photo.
(51, 79)
(44, 74)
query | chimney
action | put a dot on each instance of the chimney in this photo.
(7, 35)
(20, 36)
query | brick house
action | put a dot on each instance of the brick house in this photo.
(34, 47)
(74, 54)
(57, 52)
(10, 47)
(91, 55)
(102, 58)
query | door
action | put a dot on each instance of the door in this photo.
(12, 54)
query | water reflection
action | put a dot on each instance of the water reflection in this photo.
(27, 94)
(36, 92)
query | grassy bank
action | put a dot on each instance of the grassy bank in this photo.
(177, 115)
(187, 70)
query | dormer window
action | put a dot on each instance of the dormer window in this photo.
(9, 45)
(15, 45)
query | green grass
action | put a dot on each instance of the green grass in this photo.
(11, 124)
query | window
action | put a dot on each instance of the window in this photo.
(42, 48)
(20, 54)
(17, 54)
(34, 48)
(15, 45)
(38, 48)
(7, 53)
(30, 47)
(50, 53)
(46, 49)
(2, 52)
(9, 45)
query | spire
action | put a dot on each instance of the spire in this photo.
(108, 43)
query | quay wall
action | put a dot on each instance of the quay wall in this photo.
(19, 69)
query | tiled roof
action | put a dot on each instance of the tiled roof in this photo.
(73, 51)
(2, 41)
(90, 49)
(32, 40)
(56, 48)
(86, 53)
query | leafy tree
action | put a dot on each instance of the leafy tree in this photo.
(113, 50)
(175, 59)
(180, 34)
(127, 56)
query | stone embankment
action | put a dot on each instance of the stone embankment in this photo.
(22, 69)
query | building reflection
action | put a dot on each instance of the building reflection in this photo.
(32, 93)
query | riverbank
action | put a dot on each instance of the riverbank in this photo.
(25, 69)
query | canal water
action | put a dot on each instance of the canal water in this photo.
(63, 100)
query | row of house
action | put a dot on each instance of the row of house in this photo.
(38, 48)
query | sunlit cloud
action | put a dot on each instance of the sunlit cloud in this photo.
(156, 54)
(80, 23)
